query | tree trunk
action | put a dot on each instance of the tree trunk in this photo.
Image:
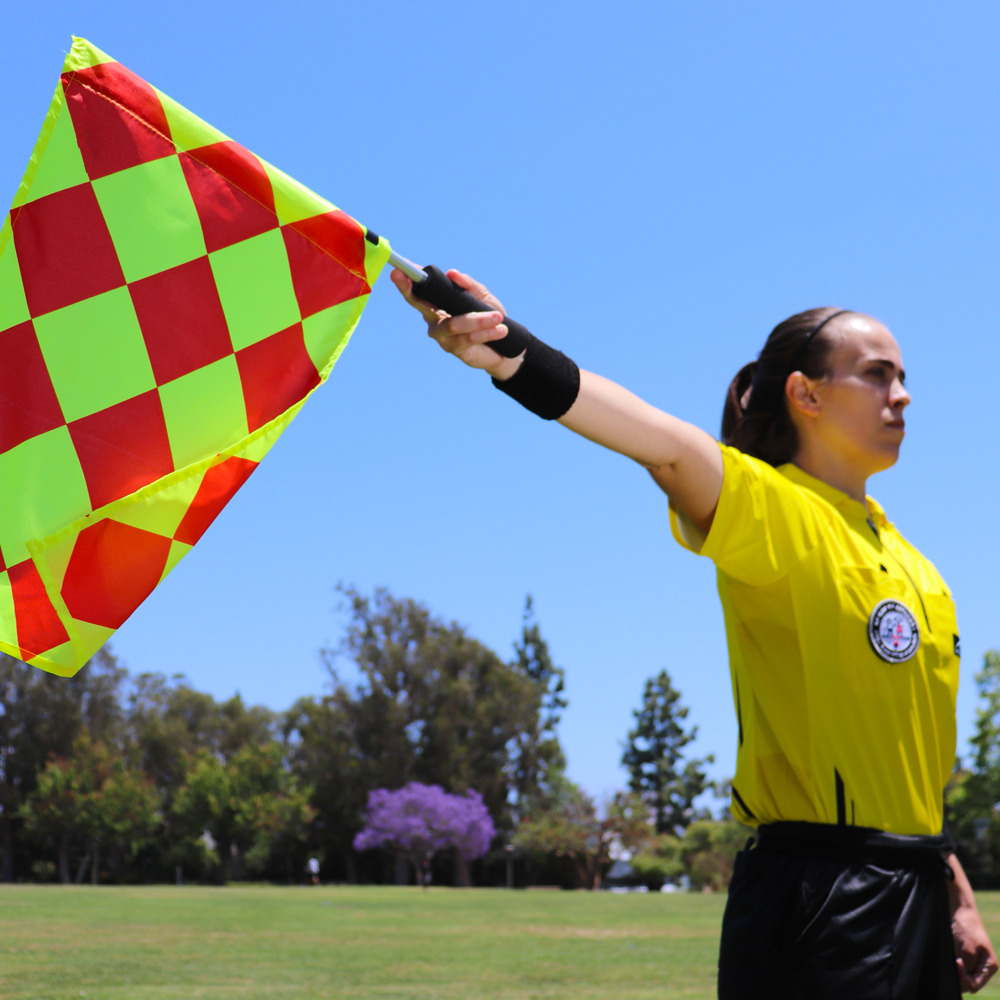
(116, 861)
(237, 863)
(6, 847)
(593, 871)
(225, 854)
(84, 861)
(461, 871)
(401, 869)
(64, 859)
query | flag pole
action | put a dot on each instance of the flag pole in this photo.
(434, 286)
(412, 271)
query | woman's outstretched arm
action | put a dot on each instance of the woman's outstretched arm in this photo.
(683, 460)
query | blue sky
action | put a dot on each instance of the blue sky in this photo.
(648, 186)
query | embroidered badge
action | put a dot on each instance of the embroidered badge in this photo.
(893, 631)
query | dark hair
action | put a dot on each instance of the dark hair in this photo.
(755, 417)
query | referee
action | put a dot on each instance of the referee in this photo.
(843, 649)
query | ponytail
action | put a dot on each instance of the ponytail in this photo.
(755, 416)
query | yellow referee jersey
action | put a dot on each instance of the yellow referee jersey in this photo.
(843, 651)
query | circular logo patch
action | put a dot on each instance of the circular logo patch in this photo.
(893, 631)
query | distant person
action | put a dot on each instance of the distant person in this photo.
(313, 867)
(843, 647)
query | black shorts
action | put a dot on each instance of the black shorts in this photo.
(827, 913)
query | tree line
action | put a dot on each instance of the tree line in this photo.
(111, 775)
(973, 794)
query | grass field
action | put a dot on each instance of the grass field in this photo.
(161, 943)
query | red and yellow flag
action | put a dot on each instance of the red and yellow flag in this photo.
(167, 303)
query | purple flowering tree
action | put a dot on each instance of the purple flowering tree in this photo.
(419, 820)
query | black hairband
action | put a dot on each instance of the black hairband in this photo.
(807, 340)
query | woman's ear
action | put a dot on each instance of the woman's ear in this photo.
(801, 393)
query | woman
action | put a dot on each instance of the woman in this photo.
(843, 651)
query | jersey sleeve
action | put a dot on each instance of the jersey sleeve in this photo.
(763, 525)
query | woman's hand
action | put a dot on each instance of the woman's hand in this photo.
(467, 336)
(974, 954)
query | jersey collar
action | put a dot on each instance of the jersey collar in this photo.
(849, 507)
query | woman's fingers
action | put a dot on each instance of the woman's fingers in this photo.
(466, 336)
(405, 286)
(477, 327)
(411, 293)
(478, 289)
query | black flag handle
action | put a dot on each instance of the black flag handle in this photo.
(432, 285)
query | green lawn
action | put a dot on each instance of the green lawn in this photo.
(259, 942)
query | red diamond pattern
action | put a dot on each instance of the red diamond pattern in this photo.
(113, 569)
(238, 165)
(33, 611)
(326, 256)
(64, 250)
(276, 373)
(123, 448)
(28, 403)
(217, 488)
(339, 236)
(229, 212)
(181, 319)
(118, 118)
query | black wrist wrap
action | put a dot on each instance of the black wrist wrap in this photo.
(547, 383)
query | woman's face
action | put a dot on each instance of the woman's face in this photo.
(860, 402)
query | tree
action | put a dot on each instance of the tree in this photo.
(537, 756)
(243, 803)
(973, 794)
(41, 716)
(569, 826)
(170, 722)
(121, 812)
(653, 754)
(983, 786)
(708, 852)
(419, 820)
(323, 755)
(658, 861)
(433, 705)
(95, 796)
(55, 810)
